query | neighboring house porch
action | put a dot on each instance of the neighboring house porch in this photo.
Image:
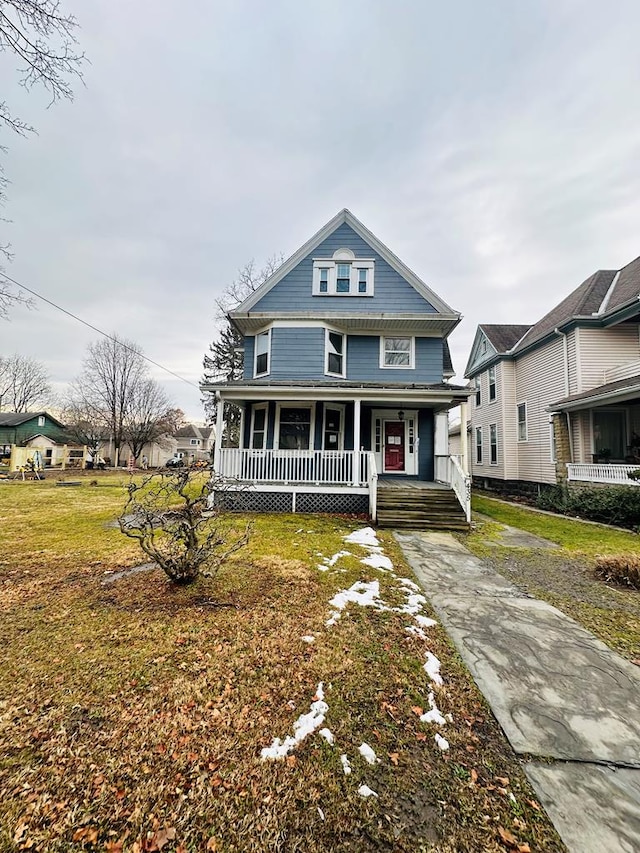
(326, 447)
(598, 431)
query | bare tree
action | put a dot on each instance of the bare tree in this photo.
(149, 417)
(24, 383)
(225, 360)
(114, 371)
(42, 40)
(169, 515)
(83, 427)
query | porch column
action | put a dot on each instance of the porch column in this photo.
(219, 434)
(356, 442)
(464, 445)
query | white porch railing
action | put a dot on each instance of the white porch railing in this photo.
(622, 371)
(373, 488)
(592, 473)
(447, 469)
(312, 467)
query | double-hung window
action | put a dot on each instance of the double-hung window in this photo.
(493, 443)
(478, 391)
(522, 421)
(397, 353)
(259, 427)
(294, 428)
(479, 445)
(335, 353)
(492, 384)
(262, 354)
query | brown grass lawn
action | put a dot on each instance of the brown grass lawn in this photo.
(133, 714)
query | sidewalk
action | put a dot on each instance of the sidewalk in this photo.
(557, 691)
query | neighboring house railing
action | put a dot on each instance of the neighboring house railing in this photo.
(328, 467)
(592, 473)
(373, 487)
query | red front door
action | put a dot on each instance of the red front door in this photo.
(393, 446)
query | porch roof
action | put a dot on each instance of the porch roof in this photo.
(438, 394)
(622, 391)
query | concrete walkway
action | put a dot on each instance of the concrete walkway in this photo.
(557, 691)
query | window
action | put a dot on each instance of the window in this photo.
(522, 421)
(294, 430)
(493, 443)
(263, 346)
(397, 352)
(343, 275)
(479, 445)
(609, 434)
(194, 442)
(332, 433)
(259, 427)
(476, 382)
(335, 345)
(41, 420)
(492, 384)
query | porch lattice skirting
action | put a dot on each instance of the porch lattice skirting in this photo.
(250, 501)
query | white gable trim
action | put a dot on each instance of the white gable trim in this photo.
(346, 217)
(479, 356)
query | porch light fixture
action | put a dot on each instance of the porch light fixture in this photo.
(401, 415)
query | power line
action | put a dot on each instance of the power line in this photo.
(99, 331)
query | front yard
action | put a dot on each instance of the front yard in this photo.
(564, 577)
(140, 717)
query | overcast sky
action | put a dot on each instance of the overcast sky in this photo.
(494, 146)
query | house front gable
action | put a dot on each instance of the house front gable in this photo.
(482, 352)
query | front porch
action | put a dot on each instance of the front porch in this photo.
(596, 474)
(325, 447)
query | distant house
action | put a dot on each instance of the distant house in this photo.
(560, 400)
(29, 428)
(346, 389)
(194, 443)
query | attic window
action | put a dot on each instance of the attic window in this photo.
(343, 275)
(41, 420)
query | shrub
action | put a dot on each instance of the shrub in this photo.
(619, 505)
(623, 569)
(168, 513)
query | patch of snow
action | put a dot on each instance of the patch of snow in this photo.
(365, 594)
(412, 629)
(414, 604)
(365, 791)
(442, 742)
(410, 584)
(336, 614)
(378, 561)
(434, 715)
(432, 668)
(367, 753)
(424, 621)
(309, 638)
(345, 765)
(320, 812)
(366, 537)
(327, 735)
(305, 725)
(331, 561)
(323, 568)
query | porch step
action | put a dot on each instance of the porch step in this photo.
(426, 509)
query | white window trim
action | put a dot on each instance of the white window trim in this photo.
(331, 265)
(495, 427)
(296, 405)
(339, 407)
(491, 400)
(481, 446)
(553, 454)
(326, 353)
(526, 422)
(265, 407)
(412, 353)
(255, 354)
(41, 420)
(477, 387)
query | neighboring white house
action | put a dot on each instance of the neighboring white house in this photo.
(561, 399)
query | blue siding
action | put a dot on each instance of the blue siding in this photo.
(299, 353)
(391, 291)
(248, 357)
(363, 361)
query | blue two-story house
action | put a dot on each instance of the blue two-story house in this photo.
(345, 390)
